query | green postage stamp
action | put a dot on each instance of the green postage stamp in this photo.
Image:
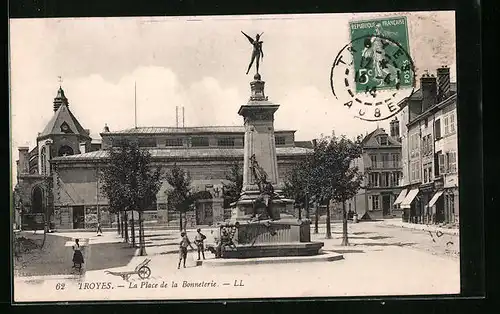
(376, 41)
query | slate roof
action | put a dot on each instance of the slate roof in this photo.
(63, 114)
(417, 95)
(186, 153)
(185, 130)
(370, 141)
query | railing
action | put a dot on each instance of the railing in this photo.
(386, 164)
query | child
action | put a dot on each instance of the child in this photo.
(198, 240)
(77, 255)
(183, 245)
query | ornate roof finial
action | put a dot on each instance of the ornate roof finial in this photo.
(106, 128)
(59, 78)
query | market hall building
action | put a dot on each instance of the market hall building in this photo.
(60, 175)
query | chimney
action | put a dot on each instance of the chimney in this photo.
(83, 147)
(23, 160)
(394, 126)
(443, 82)
(428, 86)
(106, 128)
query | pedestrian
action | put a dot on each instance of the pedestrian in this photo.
(77, 255)
(99, 230)
(198, 240)
(183, 245)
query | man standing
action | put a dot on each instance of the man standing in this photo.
(198, 240)
(183, 245)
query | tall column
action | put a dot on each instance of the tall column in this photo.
(258, 115)
(259, 140)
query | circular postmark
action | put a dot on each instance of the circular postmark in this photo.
(372, 75)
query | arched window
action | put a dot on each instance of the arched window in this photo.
(65, 150)
(43, 160)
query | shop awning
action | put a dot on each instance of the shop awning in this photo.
(409, 198)
(435, 198)
(401, 196)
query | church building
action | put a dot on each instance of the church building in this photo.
(59, 177)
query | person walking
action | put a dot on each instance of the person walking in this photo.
(99, 230)
(198, 240)
(183, 245)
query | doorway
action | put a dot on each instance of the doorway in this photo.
(78, 217)
(386, 204)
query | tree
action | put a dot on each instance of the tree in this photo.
(179, 196)
(296, 186)
(332, 176)
(231, 191)
(130, 183)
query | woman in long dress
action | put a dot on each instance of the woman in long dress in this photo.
(77, 255)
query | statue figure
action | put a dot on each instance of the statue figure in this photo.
(257, 53)
(266, 189)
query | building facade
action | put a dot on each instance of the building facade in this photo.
(430, 152)
(380, 163)
(61, 175)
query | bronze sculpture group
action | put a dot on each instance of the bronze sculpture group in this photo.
(266, 190)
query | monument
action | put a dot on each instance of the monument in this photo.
(256, 228)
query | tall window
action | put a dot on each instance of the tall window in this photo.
(280, 140)
(385, 160)
(414, 145)
(373, 159)
(43, 160)
(437, 129)
(442, 163)
(375, 202)
(199, 141)
(383, 180)
(446, 125)
(396, 160)
(226, 142)
(451, 162)
(415, 171)
(170, 142)
(452, 122)
(374, 179)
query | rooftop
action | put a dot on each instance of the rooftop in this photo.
(187, 153)
(184, 130)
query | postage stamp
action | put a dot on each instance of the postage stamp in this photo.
(182, 158)
(374, 72)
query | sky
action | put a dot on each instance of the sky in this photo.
(198, 63)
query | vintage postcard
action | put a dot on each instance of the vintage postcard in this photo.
(229, 157)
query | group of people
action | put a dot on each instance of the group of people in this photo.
(185, 243)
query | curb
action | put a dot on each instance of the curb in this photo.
(423, 228)
(328, 257)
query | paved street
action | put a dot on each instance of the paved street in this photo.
(381, 260)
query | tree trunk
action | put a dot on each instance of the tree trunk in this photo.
(142, 247)
(316, 216)
(118, 223)
(132, 227)
(345, 239)
(180, 221)
(122, 232)
(307, 206)
(125, 218)
(328, 227)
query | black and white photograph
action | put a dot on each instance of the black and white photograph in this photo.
(234, 156)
